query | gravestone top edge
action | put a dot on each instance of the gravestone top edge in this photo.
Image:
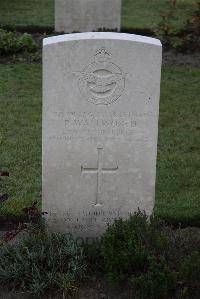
(101, 35)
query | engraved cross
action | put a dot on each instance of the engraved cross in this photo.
(99, 170)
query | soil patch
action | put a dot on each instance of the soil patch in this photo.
(172, 58)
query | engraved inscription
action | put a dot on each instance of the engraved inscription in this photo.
(90, 126)
(87, 217)
(101, 82)
(99, 170)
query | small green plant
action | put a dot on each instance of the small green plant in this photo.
(26, 43)
(12, 43)
(42, 262)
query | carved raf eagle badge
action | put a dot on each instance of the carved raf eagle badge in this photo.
(101, 82)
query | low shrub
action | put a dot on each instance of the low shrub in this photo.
(42, 262)
(156, 260)
(12, 43)
(127, 244)
(185, 38)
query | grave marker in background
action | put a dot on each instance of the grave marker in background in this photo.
(87, 15)
(100, 126)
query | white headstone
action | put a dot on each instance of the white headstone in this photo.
(100, 126)
(87, 15)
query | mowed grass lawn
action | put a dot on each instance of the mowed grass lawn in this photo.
(178, 167)
(136, 14)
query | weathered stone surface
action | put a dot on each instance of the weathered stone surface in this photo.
(87, 15)
(100, 125)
